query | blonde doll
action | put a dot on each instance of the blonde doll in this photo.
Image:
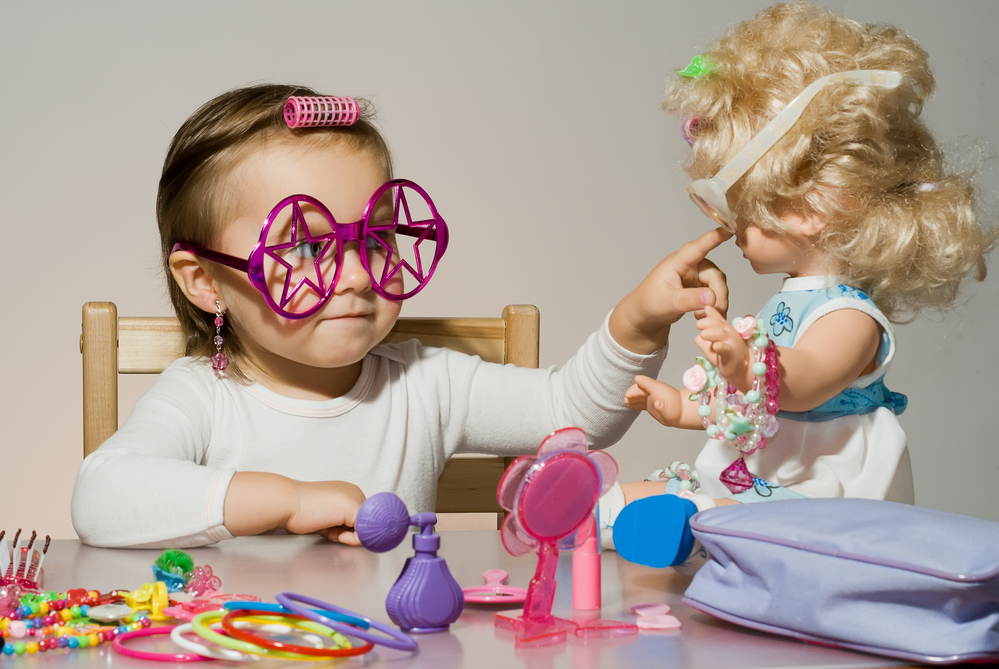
(286, 410)
(807, 144)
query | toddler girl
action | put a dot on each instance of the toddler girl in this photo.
(807, 143)
(281, 248)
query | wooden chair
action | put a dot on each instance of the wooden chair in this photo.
(143, 345)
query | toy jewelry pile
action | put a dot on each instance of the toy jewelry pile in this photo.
(36, 622)
(215, 625)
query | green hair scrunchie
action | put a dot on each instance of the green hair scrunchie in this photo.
(699, 67)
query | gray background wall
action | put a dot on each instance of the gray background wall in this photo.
(536, 127)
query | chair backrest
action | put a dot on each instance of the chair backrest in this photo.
(144, 345)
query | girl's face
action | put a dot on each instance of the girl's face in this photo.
(285, 354)
(793, 252)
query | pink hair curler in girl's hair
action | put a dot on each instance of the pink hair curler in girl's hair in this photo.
(314, 112)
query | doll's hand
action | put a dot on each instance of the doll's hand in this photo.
(724, 348)
(327, 507)
(662, 401)
(683, 281)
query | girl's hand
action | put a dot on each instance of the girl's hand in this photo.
(257, 502)
(724, 348)
(662, 401)
(327, 507)
(683, 281)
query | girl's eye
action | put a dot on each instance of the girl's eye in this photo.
(307, 249)
(387, 238)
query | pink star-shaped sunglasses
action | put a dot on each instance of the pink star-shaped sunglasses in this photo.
(296, 263)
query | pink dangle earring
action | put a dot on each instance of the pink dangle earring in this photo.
(219, 360)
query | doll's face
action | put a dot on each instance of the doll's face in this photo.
(355, 318)
(794, 252)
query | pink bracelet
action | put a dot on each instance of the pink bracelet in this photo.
(119, 645)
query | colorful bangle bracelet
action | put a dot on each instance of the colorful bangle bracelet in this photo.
(215, 652)
(265, 607)
(201, 629)
(311, 632)
(272, 644)
(393, 638)
(119, 645)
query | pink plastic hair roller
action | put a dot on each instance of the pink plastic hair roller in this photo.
(314, 112)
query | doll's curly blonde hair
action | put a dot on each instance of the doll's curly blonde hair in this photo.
(897, 226)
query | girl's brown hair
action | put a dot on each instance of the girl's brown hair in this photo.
(897, 225)
(196, 200)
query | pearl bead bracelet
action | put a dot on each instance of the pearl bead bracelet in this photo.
(744, 421)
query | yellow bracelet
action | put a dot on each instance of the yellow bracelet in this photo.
(305, 625)
(200, 626)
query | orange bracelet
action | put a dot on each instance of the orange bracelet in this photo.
(271, 644)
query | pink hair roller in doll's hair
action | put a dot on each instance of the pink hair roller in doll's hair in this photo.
(690, 127)
(314, 112)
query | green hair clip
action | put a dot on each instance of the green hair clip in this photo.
(699, 66)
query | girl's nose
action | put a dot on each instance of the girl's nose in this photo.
(353, 277)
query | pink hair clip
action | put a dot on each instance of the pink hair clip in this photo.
(314, 112)
(495, 590)
(655, 617)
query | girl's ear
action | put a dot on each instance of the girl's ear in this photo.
(195, 281)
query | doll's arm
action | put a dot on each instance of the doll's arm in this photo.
(832, 353)
(684, 281)
(663, 402)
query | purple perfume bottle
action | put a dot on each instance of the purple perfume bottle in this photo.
(425, 598)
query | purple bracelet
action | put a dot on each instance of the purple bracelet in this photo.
(394, 639)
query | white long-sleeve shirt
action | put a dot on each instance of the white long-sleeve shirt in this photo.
(161, 480)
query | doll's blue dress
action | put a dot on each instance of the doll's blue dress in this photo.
(850, 446)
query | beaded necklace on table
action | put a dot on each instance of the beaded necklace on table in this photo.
(52, 621)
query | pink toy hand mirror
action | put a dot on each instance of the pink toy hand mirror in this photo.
(550, 498)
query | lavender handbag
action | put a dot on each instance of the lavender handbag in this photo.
(879, 577)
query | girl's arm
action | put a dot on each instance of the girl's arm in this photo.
(506, 410)
(833, 352)
(148, 486)
(256, 502)
(144, 486)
